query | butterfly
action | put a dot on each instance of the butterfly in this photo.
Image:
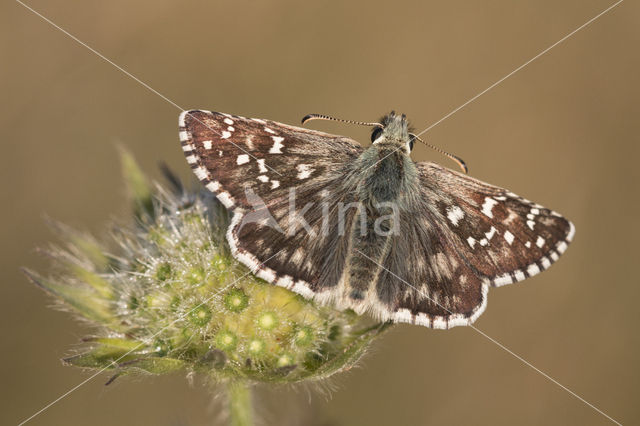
(367, 229)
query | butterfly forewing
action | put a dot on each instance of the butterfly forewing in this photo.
(229, 154)
(467, 235)
(506, 238)
(265, 171)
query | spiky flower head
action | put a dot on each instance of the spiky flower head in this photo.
(169, 297)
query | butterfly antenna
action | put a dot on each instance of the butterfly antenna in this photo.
(455, 158)
(310, 117)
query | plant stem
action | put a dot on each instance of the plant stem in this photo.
(240, 408)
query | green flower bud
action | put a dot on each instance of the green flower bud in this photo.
(285, 360)
(236, 300)
(200, 315)
(303, 335)
(226, 340)
(267, 320)
(256, 346)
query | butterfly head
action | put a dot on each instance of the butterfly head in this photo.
(394, 130)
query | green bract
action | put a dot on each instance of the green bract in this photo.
(171, 298)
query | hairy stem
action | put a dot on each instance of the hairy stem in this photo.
(240, 408)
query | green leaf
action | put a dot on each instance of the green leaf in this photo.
(83, 300)
(114, 342)
(95, 281)
(155, 365)
(102, 357)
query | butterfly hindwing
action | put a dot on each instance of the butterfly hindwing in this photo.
(425, 280)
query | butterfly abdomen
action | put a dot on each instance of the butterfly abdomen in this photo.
(370, 238)
(376, 220)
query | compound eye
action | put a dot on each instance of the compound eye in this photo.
(376, 133)
(411, 144)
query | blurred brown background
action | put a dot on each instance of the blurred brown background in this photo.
(563, 131)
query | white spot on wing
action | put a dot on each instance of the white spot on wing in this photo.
(266, 129)
(275, 184)
(530, 224)
(225, 199)
(488, 206)
(242, 159)
(403, 315)
(508, 236)
(263, 178)
(572, 231)
(201, 173)
(207, 144)
(265, 274)
(304, 171)
(301, 288)
(261, 166)
(533, 269)
(454, 214)
(277, 145)
(213, 186)
(226, 135)
(471, 241)
(249, 142)
(192, 159)
(286, 282)
(540, 242)
(228, 121)
(502, 280)
(562, 247)
(491, 233)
